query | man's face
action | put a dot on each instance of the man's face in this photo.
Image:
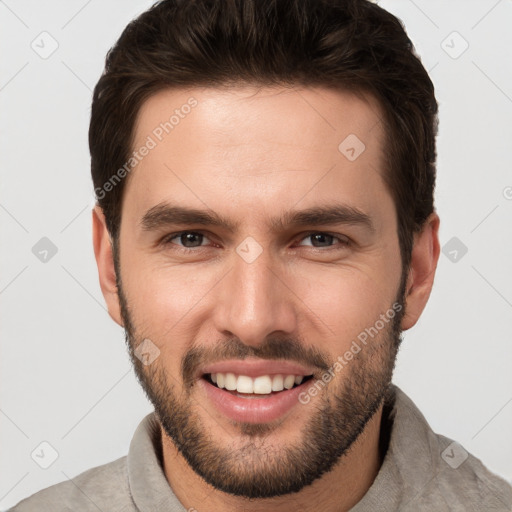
(279, 288)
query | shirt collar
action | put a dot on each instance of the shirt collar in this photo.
(149, 487)
(410, 462)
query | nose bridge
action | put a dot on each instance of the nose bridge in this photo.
(255, 303)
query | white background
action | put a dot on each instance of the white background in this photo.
(65, 373)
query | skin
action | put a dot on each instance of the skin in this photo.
(249, 155)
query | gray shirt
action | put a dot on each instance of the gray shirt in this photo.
(421, 471)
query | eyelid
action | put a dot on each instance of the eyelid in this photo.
(344, 240)
(167, 238)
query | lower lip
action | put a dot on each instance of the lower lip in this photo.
(253, 410)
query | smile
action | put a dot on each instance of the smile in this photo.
(256, 398)
(261, 385)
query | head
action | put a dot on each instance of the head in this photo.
(265, 195)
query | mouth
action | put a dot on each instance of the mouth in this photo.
(261, 386)
(255, 398)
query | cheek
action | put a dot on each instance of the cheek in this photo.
(174, 302)
(347, 300)
(165, 297)
(163, 306)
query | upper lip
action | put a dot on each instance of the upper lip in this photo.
(256, 367)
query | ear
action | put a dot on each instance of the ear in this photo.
(105, 261)
(425, 254)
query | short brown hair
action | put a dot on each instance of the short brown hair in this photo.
(352, 45)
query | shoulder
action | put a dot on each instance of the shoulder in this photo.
(434, 472)
(466, 484)
(103, 487)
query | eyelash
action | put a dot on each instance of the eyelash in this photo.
(344, 242)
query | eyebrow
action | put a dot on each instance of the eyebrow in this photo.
(165, 214)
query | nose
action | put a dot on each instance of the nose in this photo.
(254, 301)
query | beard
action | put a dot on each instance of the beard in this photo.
(252, 467)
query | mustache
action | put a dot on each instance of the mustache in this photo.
(234, 348)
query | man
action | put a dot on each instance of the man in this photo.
(265, 230)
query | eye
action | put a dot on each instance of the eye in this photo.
(189, 240)
(186, 239)
(320, 239)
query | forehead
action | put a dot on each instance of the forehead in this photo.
(231, 114)
(252, 145)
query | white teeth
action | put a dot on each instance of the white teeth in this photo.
(289, 381)
(262, 385)
(244, 384)
(230, 381)
(277, 383)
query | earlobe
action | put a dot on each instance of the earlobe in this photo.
(104, 259)
(424, 258)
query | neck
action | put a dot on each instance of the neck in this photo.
(339, 490)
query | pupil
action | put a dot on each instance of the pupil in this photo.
(190, 237)
(323, 238)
